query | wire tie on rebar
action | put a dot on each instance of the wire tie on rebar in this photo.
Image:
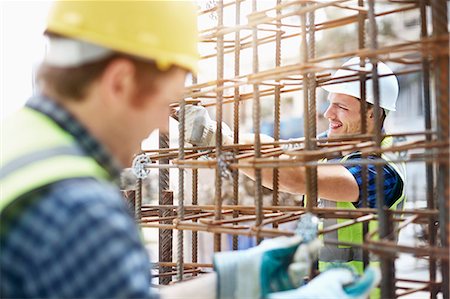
(209, 5)
(224, 162)
(307, 227)
(139, 165)
(293, 146)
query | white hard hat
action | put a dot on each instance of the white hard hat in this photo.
(388, 84)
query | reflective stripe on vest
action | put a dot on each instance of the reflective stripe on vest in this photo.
(37, 152)
(354, 233)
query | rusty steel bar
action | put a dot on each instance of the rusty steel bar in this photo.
(165, 236)
(363, 106)
(130, 199)
(219, 106)
(138, 201)
(325, 142)
(385, 223)
(236, 115)
(277, 108)
(165, 198)
(441, 79)
(311, 131)
(429, 171)
(186, 265)
(335, 212)
(256, 115)
(194, 244)
(180, 208)
(309, 194)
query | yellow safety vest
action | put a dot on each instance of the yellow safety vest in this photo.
(354, 234)
(37, 152)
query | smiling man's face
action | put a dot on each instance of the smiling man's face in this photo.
(343, 115)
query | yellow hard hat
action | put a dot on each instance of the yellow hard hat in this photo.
(163, 31)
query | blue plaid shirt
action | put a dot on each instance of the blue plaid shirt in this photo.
(74, 238)
(393, 184)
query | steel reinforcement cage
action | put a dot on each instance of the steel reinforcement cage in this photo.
(427, 55)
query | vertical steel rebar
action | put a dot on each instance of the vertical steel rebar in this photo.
(311, 115)
(429, 171)
(236, 98)
(180, 210)
(308, 121)
(441, 83)
(256, 114)
(130, 199)
(219, 106)
(165, 198)
(277, 103)
(363, 111)
(138, 201)
(194, 202)
(385, 223)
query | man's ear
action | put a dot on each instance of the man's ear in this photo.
(118, 82)
(370, 113)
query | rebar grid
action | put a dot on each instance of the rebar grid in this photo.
(273, 26)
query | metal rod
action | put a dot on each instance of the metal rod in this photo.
(219, 106)
(180, 209)
(256, 115)
(363, 105)
(277, 109)
(165, 198)
(441, 79)
(385, 224)
(138, 201)
(194, 202)
(236, 117)
(429, 168)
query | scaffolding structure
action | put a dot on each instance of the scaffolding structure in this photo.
(270, 27)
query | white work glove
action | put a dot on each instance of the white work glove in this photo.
(299, 143)
(335, 283)
(269, 267)
(200, 129)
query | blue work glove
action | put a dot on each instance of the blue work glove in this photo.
(275, 265)
(335, 283)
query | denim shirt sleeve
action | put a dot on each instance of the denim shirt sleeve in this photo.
(392, 183)
(76, 241)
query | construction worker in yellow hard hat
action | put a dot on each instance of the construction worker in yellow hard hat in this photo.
(339, 186)
(110, 72)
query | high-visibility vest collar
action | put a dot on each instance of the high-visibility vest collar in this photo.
(37, 152)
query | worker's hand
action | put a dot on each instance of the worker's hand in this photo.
(295, 144)
(336, 283)
(249, 138)
(264, 269)
(200, 129)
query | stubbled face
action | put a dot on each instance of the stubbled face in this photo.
(144, 113)
(154, 109)
(344, 116)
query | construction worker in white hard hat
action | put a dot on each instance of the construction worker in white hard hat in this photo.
(339, 186)
(111, 71)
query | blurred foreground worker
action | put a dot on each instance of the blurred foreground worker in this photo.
(111, 71)
(339, 186)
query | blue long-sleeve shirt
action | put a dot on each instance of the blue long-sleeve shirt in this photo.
(393, 184)
(73, 238)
